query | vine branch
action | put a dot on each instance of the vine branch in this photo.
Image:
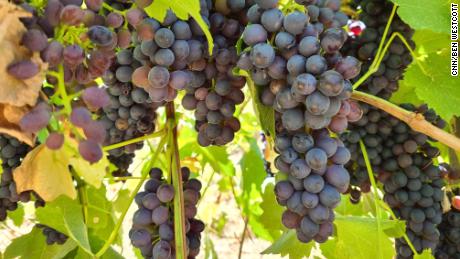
(176, 177)
(415, 120)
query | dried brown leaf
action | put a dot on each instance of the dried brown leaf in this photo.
(9, 120)
(13, 91)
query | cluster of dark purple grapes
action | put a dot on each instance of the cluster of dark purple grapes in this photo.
(449, 241)
(12, 151)
(415, 195)
(306, 80)
(214, 100)
(324, 14)
(313, 168)
(402, 159)
(52, 236)
(130, 113)
(385, 137)
(375, 14)
(153, 228)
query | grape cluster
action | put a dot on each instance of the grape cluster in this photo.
(375, 14)
(130, 113)
(153, 228)
(122, 162)
(449, 241)
(415, 195)
(315, 177)
(324, 14)
(402, 159)
(78, 48)
(385, 137)
(306, 80)
(12, 151)
(52, 235)
(303, 76)
(217, 91)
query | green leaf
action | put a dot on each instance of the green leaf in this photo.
(99, 208)
(358, 238)
(426, 254)
(65, 215)
(17, 215)
(425, 14)
(122, 201)
(272, 211)
(252, 169)
(288, 244)
(427, 41)
(366, 206)
(217, 157)
(33, 245)
(265, 114)
(209, 250)
(405, 94)
(182, 9)
(437, 87)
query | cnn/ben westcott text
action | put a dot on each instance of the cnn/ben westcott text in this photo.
(454, 39)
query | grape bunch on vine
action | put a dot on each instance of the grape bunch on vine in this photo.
(229, 129)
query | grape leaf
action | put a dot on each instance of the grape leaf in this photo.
(99, 208)
(46, 172)
(427, 41)
(358, 238)
(182, 9)
(437, 87)
(66, 216)
(425, 14)
(209, 250)
(215, 156)
(426, 254)
(272, 211)
(265, 114)
(90, 173)
(405, 94)
(17, 215)
(288, 244)
(14, 91)
(9, 123)
(252, 168)
(366, 206)
(33, 245)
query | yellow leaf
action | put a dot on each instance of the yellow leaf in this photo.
(46, 172)
(90, 173)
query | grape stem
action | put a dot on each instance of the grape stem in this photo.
(62, 91)
(145, 174)
(243, 237)
(415, 120)
(376, 63)
(156, 134)
(175, 172)
(374, 192)
(377, 199)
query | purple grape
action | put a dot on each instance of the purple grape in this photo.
(55, 141)
(23, 69)
(90, 150)
(80, 117)
(36, 119)
(95, 97)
